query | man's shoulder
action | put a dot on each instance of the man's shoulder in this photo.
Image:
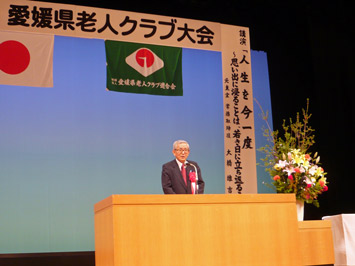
(169, 164)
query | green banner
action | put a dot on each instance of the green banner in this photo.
(144, 68)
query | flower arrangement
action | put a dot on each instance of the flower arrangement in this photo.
(292, 167)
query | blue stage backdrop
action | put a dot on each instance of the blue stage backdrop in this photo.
(63, 149)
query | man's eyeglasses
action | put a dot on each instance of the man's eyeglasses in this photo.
(182, 150)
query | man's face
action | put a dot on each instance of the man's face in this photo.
(181, 152)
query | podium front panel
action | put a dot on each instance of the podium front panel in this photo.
(161, 230)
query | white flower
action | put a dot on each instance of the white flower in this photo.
(282, 164)
(313, 169)
(289, 170)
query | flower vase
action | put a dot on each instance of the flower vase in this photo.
(300, 209)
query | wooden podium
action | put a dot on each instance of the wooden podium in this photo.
(168, 230)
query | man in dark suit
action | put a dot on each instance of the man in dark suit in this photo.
(179, 176)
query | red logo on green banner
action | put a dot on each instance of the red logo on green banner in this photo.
(144, 61)
(143, 68)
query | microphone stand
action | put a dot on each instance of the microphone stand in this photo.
(196, 184)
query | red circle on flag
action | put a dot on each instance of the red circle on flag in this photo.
(14, 57)
(145, 57)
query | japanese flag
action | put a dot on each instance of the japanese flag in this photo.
(26, 59)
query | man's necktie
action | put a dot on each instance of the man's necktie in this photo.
(183, 172)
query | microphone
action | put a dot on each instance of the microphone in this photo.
(188, 163)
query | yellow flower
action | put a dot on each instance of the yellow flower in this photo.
(298, 157)
(277, 167)
(295, 151)
(306, 164)
(319, 171)
(298, 160)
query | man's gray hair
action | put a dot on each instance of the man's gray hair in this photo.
(177, 142)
